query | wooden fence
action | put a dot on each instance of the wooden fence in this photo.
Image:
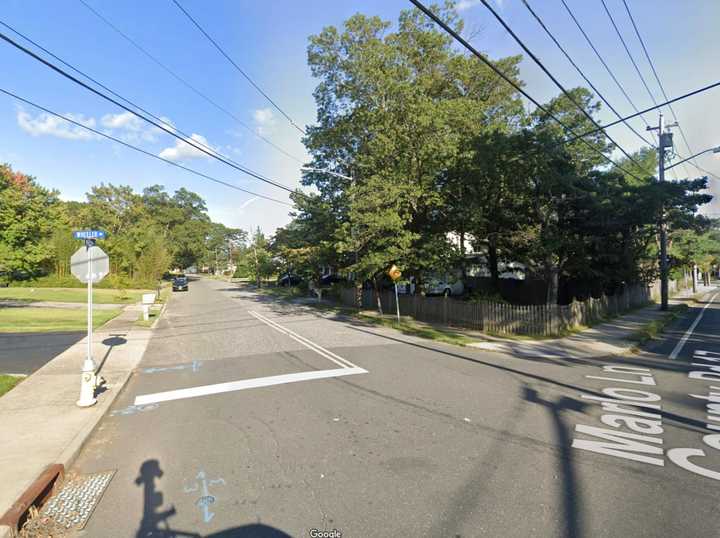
(501, 318)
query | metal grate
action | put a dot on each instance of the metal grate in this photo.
(71, 507)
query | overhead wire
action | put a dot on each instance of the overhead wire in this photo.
(185, 83)
(557, 83)
(517, 87)
(237, 67)
(163, 125)
(581, 73)
(657, 78)
(140, 150)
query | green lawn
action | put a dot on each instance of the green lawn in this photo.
(30, 319)
(7, 382)
(72, 295)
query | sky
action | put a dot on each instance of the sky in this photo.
(268, 40)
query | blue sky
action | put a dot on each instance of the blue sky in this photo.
(269, 40)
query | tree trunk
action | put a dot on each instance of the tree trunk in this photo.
(463, 264)
(551, 279)
(694, 277)
(377, 296)
(493, 265)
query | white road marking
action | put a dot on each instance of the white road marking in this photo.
(688, 333)
(304, 341)
(232, 386)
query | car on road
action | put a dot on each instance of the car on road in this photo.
(180, 283)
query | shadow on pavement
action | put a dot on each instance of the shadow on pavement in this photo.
(154, 522)
(571, 500)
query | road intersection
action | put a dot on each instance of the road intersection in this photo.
(278, 419)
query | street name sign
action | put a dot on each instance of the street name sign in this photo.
(89, 264)
(89, 234)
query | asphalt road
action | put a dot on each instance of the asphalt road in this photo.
(414, 439)
(23, 353)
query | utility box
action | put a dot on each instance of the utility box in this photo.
(147, 300)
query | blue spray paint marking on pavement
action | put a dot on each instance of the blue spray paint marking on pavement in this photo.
(205, 500)
(132, 409)
(194, 365)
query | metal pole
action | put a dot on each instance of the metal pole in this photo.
(88, 379)
(663, 225)
(397, 303)
(89, 303)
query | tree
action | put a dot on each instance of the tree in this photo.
(256, 260)
(27, 216)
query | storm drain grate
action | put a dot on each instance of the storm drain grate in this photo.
(71, 507)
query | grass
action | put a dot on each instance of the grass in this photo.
(154, 313)
(7, 382)
(422, 330)
(30, 319)
(652, 329)
(72, 295)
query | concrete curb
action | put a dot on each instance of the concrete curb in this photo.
(72, 449)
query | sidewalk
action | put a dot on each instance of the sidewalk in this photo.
(12, 303)
(40, 423)
(611, 338)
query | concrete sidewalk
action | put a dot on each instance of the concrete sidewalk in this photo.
(13, 303)
(41, 425)
(611, 338)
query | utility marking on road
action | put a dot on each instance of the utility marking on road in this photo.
(132, 409)
(688, 333)
(194, 365)
(232, 386)
(304, 341)
(205, 499)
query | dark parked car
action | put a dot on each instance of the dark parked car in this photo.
(180, 283)
(288, 280)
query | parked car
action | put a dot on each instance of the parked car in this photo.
(288, 280)
(328, 280)
(441, 286)
(180, 283)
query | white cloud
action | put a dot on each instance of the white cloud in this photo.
(264, 120)
(132, 128)
(49, 125)
(182, 150)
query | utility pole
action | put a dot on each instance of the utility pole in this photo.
(664, 142)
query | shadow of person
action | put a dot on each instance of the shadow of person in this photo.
(152, 502)
(254, 530)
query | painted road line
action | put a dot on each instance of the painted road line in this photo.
(307, 343)
(232, 386)
(688, 333)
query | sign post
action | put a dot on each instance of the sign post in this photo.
(89, 264)
(395, 274)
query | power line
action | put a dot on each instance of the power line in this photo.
(507, 79)
(169, 129)
(140, 150)
(186, 83)
(627, 50)
(236, 66)
(657, 77)
(582, 74)
(555, 80)
(650, 109)
(165, 122)
(603, 62)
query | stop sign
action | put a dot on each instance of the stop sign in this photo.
(80, 264)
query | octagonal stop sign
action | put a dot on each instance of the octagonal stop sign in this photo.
(80, 265)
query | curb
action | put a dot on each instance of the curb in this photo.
(65, 460)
